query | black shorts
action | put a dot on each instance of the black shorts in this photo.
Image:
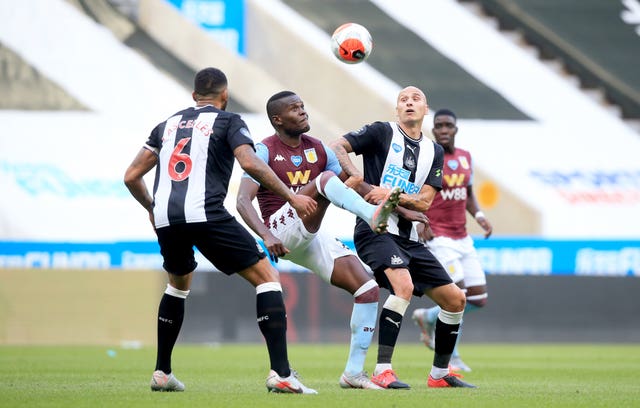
(225, 243)
(382, 251)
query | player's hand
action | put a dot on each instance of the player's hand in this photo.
(424, 232)
(275, 247)
(304, 205)
(486, 226)
(376, 195)
(353, 182)
(412, 215)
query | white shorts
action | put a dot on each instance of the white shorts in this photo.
(459, 258)
(316, 252)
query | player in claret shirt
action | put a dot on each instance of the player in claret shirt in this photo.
(446, 234)
(309, 168)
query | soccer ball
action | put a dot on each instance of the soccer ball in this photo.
(351, 43)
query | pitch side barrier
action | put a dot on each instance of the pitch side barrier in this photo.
(500, 256)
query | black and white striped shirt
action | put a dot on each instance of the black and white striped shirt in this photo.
(195, 161)
(391, 158)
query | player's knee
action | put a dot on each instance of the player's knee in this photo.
(323, 179)
(454, 300)
(367, 293)
(403, 289)
(327, 174)
(261, 272)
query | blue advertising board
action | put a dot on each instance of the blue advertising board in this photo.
(222, 19)
(499, 256)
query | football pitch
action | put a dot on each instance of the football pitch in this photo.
(233, 375)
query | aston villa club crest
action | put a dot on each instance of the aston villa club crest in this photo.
(310, 155)
(463, 162)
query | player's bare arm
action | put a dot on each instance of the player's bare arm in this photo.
(244, 204)
(260, 171)
(342, 148)
(474, 209)
(420, 201)
(144, 161)
(412, 215)
(425, 233)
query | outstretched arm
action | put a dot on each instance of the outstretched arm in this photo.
(351, 176)
(244, 204)
(342, 148)
(260, 171)
(418, 202)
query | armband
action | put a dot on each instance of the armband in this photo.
(479, 214)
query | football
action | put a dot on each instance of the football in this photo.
(351, 43)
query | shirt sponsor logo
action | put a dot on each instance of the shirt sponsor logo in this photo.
(397, 176)
(458, 194)
(299, 177)
(454, 180)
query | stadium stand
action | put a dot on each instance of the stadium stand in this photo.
(132, 35)
(590, 37)
(19, 82)
(402, 55)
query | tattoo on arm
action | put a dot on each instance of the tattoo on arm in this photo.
(342, 148)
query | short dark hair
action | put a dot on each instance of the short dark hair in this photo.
(209, 81)
(445, 112)
(273, 107)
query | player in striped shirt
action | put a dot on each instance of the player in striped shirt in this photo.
(398, 154)
(193, 152)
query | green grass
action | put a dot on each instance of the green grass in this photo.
(547, 375)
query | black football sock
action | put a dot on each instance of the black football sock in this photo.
(389, 328)
(272, 320)
(446, 336)
(170, 316)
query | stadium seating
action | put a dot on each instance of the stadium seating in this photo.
(593, 38)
